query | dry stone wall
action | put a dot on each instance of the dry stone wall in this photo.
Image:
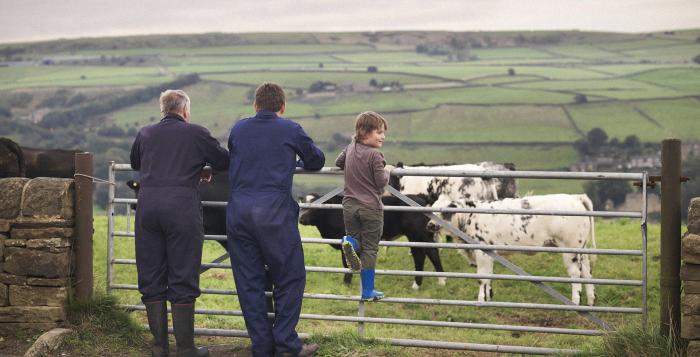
(690, 276)
(36, 241)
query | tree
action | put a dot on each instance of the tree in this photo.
(696, 59)
(580, 99)
(581, 146)
(373, 82)
(320, 65)
(511, 71)
(596, 137)
(372, 69)
(601, 191)
(632, 142)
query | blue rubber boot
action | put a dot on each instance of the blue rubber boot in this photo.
(368, 292)
(350, 248)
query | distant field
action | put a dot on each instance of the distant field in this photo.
(303, 79)
(71, 76)
(465, 124)
(636, 84)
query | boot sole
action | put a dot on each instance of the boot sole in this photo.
(352, 260)
(373, 299)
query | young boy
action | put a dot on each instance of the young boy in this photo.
(261, 221)
(366, 175)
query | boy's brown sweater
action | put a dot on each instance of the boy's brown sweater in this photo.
(365, 177)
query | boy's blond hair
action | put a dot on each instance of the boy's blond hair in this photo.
(366, 122)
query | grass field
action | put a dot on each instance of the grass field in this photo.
(609, 234)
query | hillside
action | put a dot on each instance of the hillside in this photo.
(528, 95)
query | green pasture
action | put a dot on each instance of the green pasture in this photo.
(303, 79)
(387, 57)
(188, 60)
(618, 119)
(682, 79)
(72, 76)
(509, 53)
(420, 99)
(682, 53)
(678, 117)
(609, 234)
(644, 43)
(517, 123)
(585, 52)
(251, 49)
(617, 88)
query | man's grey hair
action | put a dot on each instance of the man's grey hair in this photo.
(174, 101)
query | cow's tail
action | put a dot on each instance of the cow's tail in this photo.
(588, 204)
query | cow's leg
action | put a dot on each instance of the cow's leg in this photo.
(434, 256)
(419, 262)
(347, 278)
(573, 267)
(484, 265)
(587, 274)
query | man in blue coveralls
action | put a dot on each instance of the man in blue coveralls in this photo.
(262, 223)
(170, 156)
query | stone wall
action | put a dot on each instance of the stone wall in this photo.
(36, 240)
(690, 276)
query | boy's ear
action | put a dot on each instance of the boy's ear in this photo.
(282, 108)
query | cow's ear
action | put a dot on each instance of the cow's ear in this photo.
(470, 204)
(399, 165)
(452, 205)
(134, 185)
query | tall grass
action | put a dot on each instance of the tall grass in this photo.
(635, 341)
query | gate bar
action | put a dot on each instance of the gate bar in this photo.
(470, 303)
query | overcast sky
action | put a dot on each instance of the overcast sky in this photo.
(29, 20)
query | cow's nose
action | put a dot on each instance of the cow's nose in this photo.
(432, 227)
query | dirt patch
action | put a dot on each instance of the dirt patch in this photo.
(16, 343)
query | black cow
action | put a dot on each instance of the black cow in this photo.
(12, 162)
(411, 224)
(214, 218)
(49, 162)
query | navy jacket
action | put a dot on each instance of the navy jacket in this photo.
(173, 152)
(263, 154)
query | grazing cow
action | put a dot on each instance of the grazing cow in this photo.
(472, 188)
(12, 162)
(49, 162)
(411, 224)
(528, 230)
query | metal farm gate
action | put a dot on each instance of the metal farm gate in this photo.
(518, 274)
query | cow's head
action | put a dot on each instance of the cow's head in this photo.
(134, 185)
(445, 201)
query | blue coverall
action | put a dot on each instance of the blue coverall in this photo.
(169, 156)
(262, 226)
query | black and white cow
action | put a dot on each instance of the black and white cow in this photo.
(527, 230)
(471, 188)
(410, 224)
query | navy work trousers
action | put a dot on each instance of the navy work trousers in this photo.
(169, 238)
(262, 230)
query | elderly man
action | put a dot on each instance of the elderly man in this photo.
(169, 156)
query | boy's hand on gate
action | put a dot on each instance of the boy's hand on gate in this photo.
(389, 168)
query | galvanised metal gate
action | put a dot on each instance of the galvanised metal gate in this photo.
(470, 243)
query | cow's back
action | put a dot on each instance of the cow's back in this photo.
(12, 163)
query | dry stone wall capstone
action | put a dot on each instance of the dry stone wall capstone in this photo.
(36, 246)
